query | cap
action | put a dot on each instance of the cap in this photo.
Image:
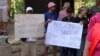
(51, 4)
(29, 8)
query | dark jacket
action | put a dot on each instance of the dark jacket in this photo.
(68, 19)
(84, 20)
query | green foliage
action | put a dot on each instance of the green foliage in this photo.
(17, 6)
(87, 3)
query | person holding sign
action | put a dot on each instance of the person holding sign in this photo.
(29, 47)
(49, 16)
(4, 8)
(65, 51)
(92, 46)
(83, 19)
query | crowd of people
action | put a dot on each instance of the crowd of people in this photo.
(86, 16)
(90, 18)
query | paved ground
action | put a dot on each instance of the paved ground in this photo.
(6, 50)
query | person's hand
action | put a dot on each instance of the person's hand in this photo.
(81, 22)
(49, 20)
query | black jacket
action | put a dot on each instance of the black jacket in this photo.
(68, 19)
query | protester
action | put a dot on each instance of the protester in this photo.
(49, 16)
(94, 9)
(4, 8)
(83, 19)
(92, 46)
(29, 44)
(64, 50)
(29, 10)
(63, 12)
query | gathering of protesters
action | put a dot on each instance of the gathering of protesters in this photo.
(85, 16)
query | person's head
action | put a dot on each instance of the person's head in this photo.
(97, 2)
(29, 10)
(83, 11)
(51, 6)
(66, 5)
(69, 13)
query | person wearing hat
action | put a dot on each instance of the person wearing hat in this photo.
(63, 12)
(92, 45)
(29, 10)
(49, 16)
(29, 44)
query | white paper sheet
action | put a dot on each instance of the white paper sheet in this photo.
(29, 25)
(65, 34)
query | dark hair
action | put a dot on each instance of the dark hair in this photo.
(81, 9)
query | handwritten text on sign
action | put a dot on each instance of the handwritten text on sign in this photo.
(29, 25)
(64, 34)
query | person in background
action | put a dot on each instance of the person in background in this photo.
(4, 8)
(29, 44)
(64, 51)
(50, 15)
(63, 12)
(92, 45)
(94, 9)
(83, 19)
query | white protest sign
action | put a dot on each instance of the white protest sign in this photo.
(29, 25)
(65, 34)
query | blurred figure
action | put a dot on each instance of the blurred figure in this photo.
(95, 8)
(64, 50)
(92, 45)
(29, 44)
(4, 8)
(49, 16)
(63, 12)
(83, 19)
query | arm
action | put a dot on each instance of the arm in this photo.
(47, 18)
(86, 49)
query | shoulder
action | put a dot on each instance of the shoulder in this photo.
(46, 13)
(92, 18)
(77, 19)
(62, 11)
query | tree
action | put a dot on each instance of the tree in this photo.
(17, 6)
